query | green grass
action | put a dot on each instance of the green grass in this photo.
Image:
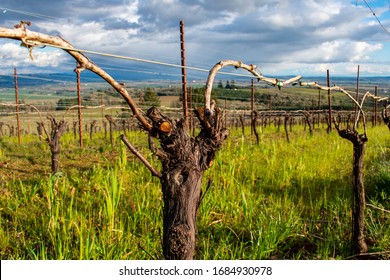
(269, 201)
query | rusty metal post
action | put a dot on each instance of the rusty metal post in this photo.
(183, 72)
(329, 102)
(79, 109)
(17, 104)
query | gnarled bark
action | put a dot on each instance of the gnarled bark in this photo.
(184, 161)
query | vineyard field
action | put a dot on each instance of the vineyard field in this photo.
(272, 200)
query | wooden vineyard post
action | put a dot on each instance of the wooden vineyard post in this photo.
(286, 121)
(102, 104)
(17, 104)
(79, 108)
(242, 121)
(252, 107)
(329, 103)
(111, 122)
(375, 106)
(270, 110)
(253, 122)
(28, 121)
(357, 89)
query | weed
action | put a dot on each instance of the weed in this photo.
(275, 200)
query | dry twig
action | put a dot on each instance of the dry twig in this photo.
(140, 156)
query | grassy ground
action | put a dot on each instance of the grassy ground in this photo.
(269, 201)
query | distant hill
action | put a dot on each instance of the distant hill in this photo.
(31, 80)
(42, 79)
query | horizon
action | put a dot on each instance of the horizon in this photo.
(284, 39)
(87, 77)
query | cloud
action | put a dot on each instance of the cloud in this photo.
(262, 32)
(334, 52)
(12, 55)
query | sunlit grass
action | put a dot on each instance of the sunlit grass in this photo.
(272, 200)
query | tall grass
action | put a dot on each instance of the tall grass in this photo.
(269, 201)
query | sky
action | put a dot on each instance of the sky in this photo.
(281, 37)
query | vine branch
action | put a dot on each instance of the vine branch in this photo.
(31, 39)
(140, 156)
(360, 106)
(238, 64)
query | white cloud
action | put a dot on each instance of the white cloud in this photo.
(12, 55)
(302, 34)
(298, 14)
(335, 51)
(319, 69)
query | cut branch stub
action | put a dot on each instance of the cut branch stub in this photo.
(161, 124)
(165, 127)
